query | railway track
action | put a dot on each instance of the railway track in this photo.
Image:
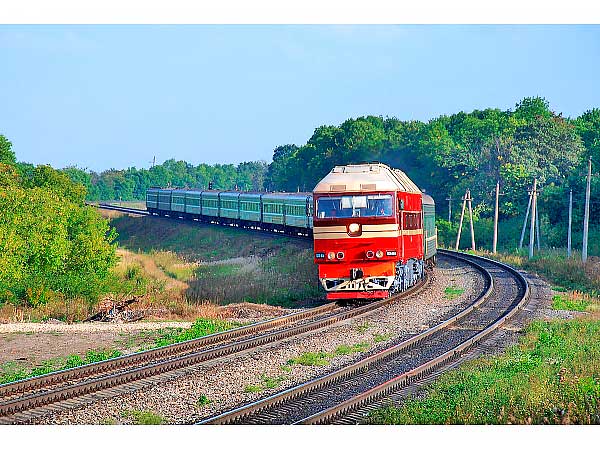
(23, 400)
(344, 395)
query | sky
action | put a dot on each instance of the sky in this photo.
(116, 96)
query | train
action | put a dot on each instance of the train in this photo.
(374, 231)
(288, 213)
(373, 228)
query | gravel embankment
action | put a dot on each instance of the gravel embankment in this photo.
(225, 382)
(29, 327)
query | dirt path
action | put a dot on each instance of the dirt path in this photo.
(26, 345)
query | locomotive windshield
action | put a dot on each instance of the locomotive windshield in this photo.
(355, 206)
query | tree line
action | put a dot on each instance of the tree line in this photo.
(132, 183)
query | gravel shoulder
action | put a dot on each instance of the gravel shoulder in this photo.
(27, 345)
(229, 383)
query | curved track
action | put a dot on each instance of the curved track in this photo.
(23, 400)
(340, 393)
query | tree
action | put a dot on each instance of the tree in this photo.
(588, 127)
(7, 156)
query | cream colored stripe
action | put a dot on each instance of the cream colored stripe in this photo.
(430, 238)
(329, 229)
(381, 227)
(411, 232)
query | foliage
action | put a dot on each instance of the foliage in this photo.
(201, 327)
(564, 303)
(7, 156)
(203, 400)
(143, 417)
(50, 244)
(551, 377)
(132, 183)
(323, 358)
(11, 374)
(451, 292)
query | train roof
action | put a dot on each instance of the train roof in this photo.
(427, 199)
(365, 177)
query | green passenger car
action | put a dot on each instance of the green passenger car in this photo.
(429, 230)
(273, 209)
(152, 199)
(164, 200)
(193, 202)
(297, 210)
(178, 200)
(229, 203)
(250, 210)
(210, 203)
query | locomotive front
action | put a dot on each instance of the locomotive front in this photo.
(368, 235)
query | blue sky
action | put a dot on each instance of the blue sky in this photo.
(116, 96)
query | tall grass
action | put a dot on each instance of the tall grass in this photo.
(282, 279)
(551, 377)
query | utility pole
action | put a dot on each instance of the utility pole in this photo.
(471, 218)
(462, 215)
(495, 242)
(570, 222)
(532, 229)
(449, 208)
(525, 221)
(586, 217)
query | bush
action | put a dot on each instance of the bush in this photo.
(51, 247)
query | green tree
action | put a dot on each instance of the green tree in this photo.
(7, 156)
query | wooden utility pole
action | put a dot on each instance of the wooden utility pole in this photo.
(532, 229)
(495, 242)
(462, 215)
(471, 220)
(570, 223)
(525, 221)
(586, 216)
(449, 208)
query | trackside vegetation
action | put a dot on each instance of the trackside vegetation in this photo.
(201, 327)
(51, 244)
(551, 377)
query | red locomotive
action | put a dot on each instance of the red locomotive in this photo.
(374, 231)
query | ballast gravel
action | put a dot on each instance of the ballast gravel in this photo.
(229, 383)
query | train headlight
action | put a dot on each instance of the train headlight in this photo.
(379, 254)
(370, 254)
(340, 255)
(331, 255)
(353, 228)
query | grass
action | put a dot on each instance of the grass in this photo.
(139, 417)
(452, 292)
(265, 383)
(382, 337)
(12, 372)
(324, 358)
(203, 400)
(575, 301)
(222, 264)
(201, 327)
(551, 377)
(362, 327)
